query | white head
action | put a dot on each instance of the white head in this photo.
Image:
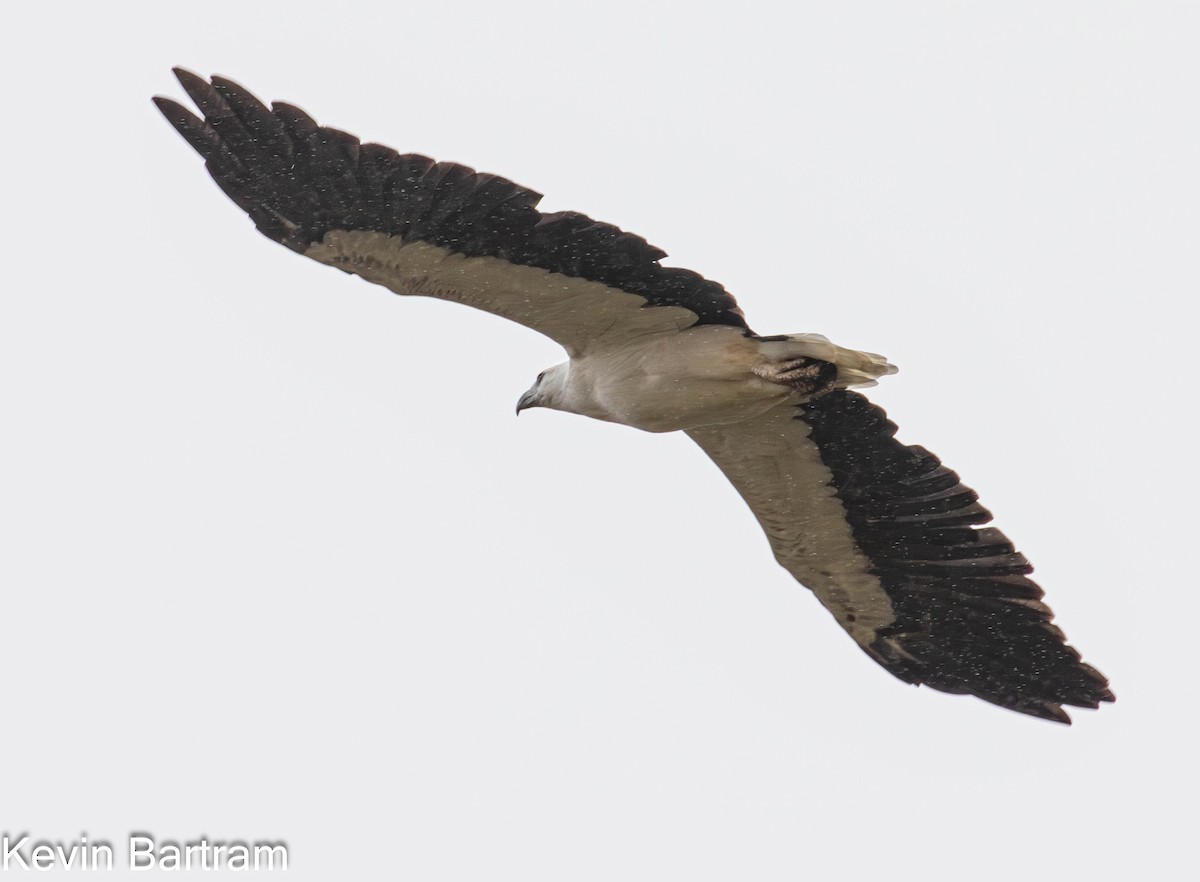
(549, 390)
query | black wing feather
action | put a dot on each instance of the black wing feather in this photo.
(968, 617)
(298, 181)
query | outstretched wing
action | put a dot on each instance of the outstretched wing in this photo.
(437, 228)
(889, 540)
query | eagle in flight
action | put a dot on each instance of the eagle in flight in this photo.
(887, 538)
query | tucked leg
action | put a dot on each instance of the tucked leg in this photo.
(808, 376)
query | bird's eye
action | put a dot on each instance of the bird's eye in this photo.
(541, 376)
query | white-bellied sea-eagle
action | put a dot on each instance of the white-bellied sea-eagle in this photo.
(884, 535)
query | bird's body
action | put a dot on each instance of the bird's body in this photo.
(701, 376)
(887, 538)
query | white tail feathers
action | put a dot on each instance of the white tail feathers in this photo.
(855, 368)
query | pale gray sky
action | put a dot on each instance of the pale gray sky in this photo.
(280, 563)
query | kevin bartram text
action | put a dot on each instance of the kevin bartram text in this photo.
(142, 852)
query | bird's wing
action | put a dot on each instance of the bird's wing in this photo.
(889, 541)
(437, 228)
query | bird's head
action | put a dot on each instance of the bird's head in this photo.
(548, 390)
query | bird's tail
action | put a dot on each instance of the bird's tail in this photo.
(855, 368)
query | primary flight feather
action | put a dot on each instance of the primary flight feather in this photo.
(885, 536)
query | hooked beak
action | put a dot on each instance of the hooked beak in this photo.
(528, 400)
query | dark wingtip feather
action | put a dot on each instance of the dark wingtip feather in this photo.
(170, 108)
(188, 79)
(198, 89)
(173, 110)
(1054, 713)
(193, 129)
(238, 96)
